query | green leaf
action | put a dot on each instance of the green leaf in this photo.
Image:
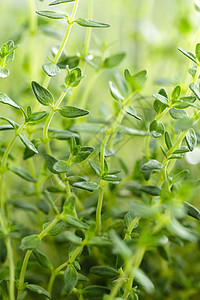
(56, 229)
(168, 140)
(163, 151)
(3, 251)
(89, 23)
(4, 73)
(132, 131)
(6, 127)
(60, 2)
(111, 177)
(184, 102)
(64, 134)
(95, 291)
(6, 100)
(195, 89)
(197, 51)
(149, 166)
(104, 271)
(113, 61)
(136, 81)
(142, 279)
(150, 189)
(99, 241)
(51, 202)
(69, 205)
(192, 211)
(52, 14)
(197, 5)
(95, 167)
(4, 274)
(72, 112)
(183, 232)
(74, 222)
(121, 82)
(22, 173)
(43, 206)
(72, 238)
(176, 93)
(38, 290)
(50, 161)
(161, 98)
(25, 205)
(191, 139)
(188, 54)
(43, 259)
(177, 113)
(156, 128)
(120, 246)
(42, 94)
(11, 122)
(131, 111)
(70, 278)
(183, 124)
(114, 92)
(83, 154)
(69, 61)
(180, 176)
(61, 166)
(86, 185)
(37, 116)
(27, 143)
(30, 242)
(163, 253)
(51, 69)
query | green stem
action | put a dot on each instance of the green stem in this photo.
(11, 269)
(85, 50)
(84, 98)
(32, 31)
(138, 257)
(99, 209)
(65, 264)
(22, 273)
(48, 121)
(131, 227)
(89, 30)
(28, 254)
(132, 264)
(4, 162)
(109, 132)
(64, 41)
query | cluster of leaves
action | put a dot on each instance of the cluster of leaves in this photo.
(64, 232)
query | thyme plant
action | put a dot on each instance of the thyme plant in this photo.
(76, 221)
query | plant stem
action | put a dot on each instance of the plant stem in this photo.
(84, 98)
(109, 132)
(11, 269)
(132, 263)
(85, 50)
(58, 269)
(138, 257)
(48, 121)
(22, 273)
(99, 209)
(4, 162)
(64, 41)
(28, 254)
(32, 31)
(89, 30)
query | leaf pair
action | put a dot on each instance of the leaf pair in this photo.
(195, 58)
